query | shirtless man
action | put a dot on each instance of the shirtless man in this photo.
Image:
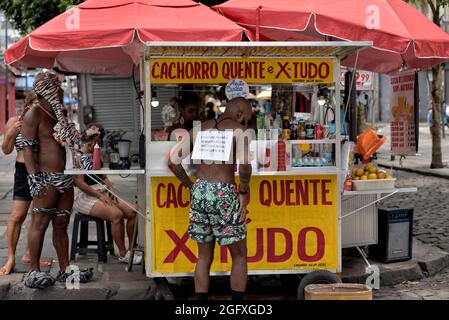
(52, 191)
(217, 210)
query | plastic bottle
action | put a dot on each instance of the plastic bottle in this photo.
(268, 121)
(97, 157)
(301, 130)
(281, 155)
(277, 122)
(286, 127)
(260, 121)
(318, 131)
(294, 129)
(267, 160)
(310, 130)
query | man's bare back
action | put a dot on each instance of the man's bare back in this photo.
(219, 172)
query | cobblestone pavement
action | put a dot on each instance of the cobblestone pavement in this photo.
(431, 206)
(431, 225)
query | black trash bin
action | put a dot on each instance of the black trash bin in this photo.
(395, 235)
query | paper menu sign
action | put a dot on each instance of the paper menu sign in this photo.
(213, 145)
(403, 129)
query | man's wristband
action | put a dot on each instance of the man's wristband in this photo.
(243, 193)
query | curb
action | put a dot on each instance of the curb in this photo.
(412, 170)
(164, 289)
(428, 261)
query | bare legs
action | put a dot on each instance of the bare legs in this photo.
(116, 214)
(239, 271)
(51, 199)
(18, 215)
(202, 269)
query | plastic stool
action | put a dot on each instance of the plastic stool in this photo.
(102, 244)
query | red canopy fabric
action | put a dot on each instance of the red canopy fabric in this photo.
(400, 33)
(106, 36)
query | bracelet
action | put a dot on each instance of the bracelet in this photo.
(243, 193)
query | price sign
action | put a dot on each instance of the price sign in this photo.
(364, 79)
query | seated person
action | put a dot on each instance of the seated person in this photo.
(92, 197)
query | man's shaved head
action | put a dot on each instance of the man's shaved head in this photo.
(239, 109)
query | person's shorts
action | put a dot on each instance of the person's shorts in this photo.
(214, 213)
(83, 203)
(21, 188)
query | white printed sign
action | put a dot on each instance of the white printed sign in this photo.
(213, 145)
(236, 88)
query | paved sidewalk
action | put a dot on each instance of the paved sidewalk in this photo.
(111, 280)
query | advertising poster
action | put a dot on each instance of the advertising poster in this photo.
(403, 128)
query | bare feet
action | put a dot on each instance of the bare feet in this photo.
(42, 263)
(7, 268)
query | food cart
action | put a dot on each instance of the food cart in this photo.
(294, 216)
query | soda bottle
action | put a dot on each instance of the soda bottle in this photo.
(286, 128)
(277, 122)
(294, 129)
(310, 130)
(260, 121)
(318, 131)
(301, 130)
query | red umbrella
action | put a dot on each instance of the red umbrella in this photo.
(107, 36)
(402, 36)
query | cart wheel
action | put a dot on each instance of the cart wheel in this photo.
(316, 277)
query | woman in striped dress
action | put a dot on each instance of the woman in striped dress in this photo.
(21, 196)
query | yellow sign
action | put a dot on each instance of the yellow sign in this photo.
(291, 225)
(254, 70)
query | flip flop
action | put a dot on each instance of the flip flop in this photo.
(84, 275)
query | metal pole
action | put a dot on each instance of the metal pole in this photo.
(443, 113)
(446, 91)
(6, 73)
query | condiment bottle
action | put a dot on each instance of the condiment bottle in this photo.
(301, 130)
(310, 131)
(97, 157)
(318, 131)
(281, 155)
(286, 128)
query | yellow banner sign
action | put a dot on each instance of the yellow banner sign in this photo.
(291, 225)
(290, 70)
